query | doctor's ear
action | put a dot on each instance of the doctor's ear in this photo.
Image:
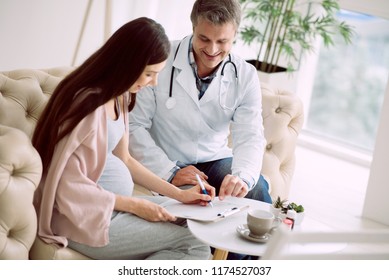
(235, 38)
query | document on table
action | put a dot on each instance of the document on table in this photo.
(221, 209)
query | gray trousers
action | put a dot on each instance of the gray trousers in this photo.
(133, 238)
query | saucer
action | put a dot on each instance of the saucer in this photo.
(244, 231)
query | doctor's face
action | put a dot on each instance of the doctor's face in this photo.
(211, 44)
(149, 77)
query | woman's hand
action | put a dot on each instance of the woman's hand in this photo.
(195, 195)
(152, 212)
(143, 208)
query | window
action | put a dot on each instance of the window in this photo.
(349, 84)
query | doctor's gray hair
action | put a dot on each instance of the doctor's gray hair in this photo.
(217, 12)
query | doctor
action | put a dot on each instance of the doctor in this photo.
(180, 127)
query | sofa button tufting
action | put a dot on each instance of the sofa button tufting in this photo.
(268, 146)
(278, 110)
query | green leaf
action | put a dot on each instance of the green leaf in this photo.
(286, 32)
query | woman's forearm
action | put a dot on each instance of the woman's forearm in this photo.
(143, 176)
(126, 204)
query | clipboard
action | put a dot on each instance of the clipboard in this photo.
(221, 209)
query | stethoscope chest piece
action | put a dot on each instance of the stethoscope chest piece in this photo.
(170, 103)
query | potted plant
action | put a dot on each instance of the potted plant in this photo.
(286, 29)
(281, 206)
(278, 206)
(299, 212)
(295, 207)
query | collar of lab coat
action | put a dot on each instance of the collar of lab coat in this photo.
(185, 77)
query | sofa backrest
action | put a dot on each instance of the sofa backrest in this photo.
(283, 118)
(24, 94)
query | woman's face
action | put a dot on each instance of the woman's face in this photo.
(148, 77)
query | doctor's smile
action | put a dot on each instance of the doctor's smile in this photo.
(216, 58)
(212, 56)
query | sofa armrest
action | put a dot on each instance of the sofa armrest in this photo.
(20, 173)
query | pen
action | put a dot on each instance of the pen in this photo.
(203, 188)
(229, 212)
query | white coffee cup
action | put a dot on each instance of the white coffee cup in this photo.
(259, 222)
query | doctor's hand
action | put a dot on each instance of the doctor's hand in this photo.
(187, 176)
(232, 186)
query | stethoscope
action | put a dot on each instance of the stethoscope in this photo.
(171, 101)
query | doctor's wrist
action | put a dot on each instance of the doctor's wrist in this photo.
(247, 183)
(172, 173)
(247, 180)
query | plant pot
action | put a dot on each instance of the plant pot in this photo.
(279, 77)
(276, 212)
(299, 218)
(265, 67)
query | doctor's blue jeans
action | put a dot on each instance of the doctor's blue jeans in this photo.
(218, 169)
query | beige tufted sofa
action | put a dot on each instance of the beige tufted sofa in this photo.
(23, 95)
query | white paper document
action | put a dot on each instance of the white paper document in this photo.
(221, 209)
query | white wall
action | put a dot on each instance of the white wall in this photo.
(376, 205)
(174, 15)
(44, 33)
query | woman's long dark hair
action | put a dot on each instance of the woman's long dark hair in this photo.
(108, 73)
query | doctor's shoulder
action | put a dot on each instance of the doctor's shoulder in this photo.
(246, 70)
(174, 44)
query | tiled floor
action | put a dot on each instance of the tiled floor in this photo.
(331, 190)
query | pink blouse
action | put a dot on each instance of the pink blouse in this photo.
(69, 202)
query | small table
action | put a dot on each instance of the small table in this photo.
(223, 236)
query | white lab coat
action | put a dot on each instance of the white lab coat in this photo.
(197, 130)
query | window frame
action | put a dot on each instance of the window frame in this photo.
(304, 87)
